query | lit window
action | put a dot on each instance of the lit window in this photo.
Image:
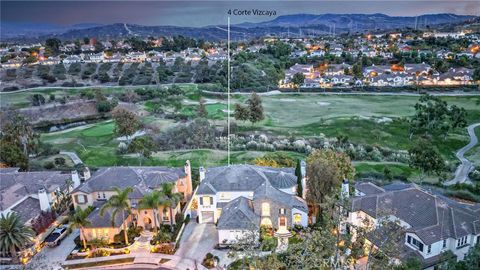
(81, 199)
(265, 209)
(207, 201)
(297, 219)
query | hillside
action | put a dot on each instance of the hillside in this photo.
(296, 24)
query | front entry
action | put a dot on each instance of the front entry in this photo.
(147, 222)
(207, 217)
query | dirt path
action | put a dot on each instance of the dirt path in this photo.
(461, 174)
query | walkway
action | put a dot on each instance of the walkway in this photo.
(76, 160)
(461, 174)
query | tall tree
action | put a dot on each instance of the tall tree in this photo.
(126, 122)
(14, 235)
(79, 219)
(17, 140)
(153, 201)
(202, 109)
(326, 169)
(298, 173)
(255, 108)
(298, 79)
(433, 116)
(119, 203)
(426, 157)
(240, 113)
(142, 146)
(172, 199)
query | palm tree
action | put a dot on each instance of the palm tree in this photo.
(152, 201)
(119, 203)
(79, 219)
(171, 199)
(13, 234)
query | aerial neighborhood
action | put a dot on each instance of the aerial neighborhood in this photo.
(304, 141)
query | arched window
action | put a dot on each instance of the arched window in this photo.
(297, 219)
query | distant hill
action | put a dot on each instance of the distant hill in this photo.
(34, 30)
(360, 21)
(292, 25)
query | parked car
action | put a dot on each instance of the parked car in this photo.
(56, 236)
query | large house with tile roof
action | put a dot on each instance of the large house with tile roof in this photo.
(432, 224)
(143, 180)
(30, 193)
(241, 198)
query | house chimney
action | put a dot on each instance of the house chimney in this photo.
(188, 172)
(43, 199)
(345, 189)
(303, 168)
(86, 173)
(75, 180)
(202, 173)
(303, 171)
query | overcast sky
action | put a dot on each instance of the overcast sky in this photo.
(201, 13)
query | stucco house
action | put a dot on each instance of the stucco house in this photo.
(431, 224)
(29, 193)
(100, 187)
(241, 198)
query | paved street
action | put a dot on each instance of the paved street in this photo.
(197, 240)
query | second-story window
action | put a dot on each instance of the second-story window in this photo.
(206, 201)
(444, 243)
(282, 211)
(429, 249)
(265, 209)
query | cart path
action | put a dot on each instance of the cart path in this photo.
(461, 174)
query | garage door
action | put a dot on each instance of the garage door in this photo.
(207, 217)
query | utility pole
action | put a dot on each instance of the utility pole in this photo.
(228, 92)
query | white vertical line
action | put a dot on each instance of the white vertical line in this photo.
(228, 91)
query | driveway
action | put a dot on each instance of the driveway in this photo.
(52, 258)
(197, 240)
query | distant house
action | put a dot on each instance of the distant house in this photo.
(100, 187)
(72, 59)
(241, 198)
(456, 76)
(340, 80)
(29, 193)
(336, 69)
(306, 70)
(399, 79)
(374, 70)
(96, 57)
(136, 57)
(87, 48)
(13, 63)
(418, 69)
(430, 224)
